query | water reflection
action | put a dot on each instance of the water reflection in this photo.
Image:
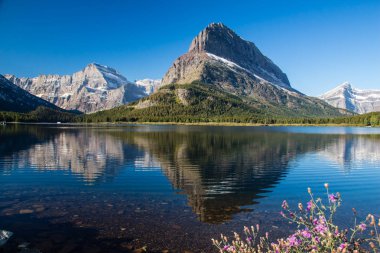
(222, 171)
(348, 149)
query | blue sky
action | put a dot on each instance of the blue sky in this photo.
(319, 44)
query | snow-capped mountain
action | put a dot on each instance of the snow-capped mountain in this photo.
(13, 98)
(219, 56)
(92, 89)
(349, 98)
(150, 85)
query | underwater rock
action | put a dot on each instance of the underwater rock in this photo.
(4, 236)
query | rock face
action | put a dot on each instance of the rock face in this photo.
(346, 97)
(219, 56)
(13, 98)
(94, 88)
(150, 85)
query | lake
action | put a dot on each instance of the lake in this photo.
(112, 189)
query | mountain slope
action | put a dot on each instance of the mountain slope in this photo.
(359, 101)
(198, 102)
(94, 88)
(13, 98)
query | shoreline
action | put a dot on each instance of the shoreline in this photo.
(191, 124)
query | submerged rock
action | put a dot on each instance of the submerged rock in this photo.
(4, 236)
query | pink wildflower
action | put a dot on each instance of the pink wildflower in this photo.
(285, 205)
(362, 227)
(333, 198)
(306, 233)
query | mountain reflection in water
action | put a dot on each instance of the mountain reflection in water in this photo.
(222, 171)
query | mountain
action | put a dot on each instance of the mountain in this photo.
(13, 98)
(150, 85)
(222, 78)
(95, 88)
(346, 97)
(217, 55)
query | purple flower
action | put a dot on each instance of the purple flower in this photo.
(285, 205)
(293, 241)
(305, 233)
(342, 246)
(229, 248)
(320, 228)
(362, 227)
(309, 206)
(333, 198)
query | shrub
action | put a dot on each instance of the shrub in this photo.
(316, 231)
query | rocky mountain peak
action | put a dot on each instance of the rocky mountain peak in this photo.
(234, 59)
(99, 68)
(345, 85)
(209, 38)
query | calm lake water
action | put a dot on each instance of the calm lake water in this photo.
(112, 189)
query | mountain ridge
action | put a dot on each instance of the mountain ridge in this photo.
(96, 87)
(357, 100)
(14, 98)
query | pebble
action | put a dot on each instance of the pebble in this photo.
(26, 211)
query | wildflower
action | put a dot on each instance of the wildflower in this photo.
(309, 190)
(285, 205)
(362, 227)
(333, 198)
(282, 214)
(372, 219)
(320, 228)
(309, 206)
(300, 206)
(305, 233)
(342, 246)
(326, 185)
(293, 241)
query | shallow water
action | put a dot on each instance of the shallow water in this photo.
(113, 189)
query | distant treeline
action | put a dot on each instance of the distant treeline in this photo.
(125, 114)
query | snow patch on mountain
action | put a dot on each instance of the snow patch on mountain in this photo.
(150, 85)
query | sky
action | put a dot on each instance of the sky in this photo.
(318, 44)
